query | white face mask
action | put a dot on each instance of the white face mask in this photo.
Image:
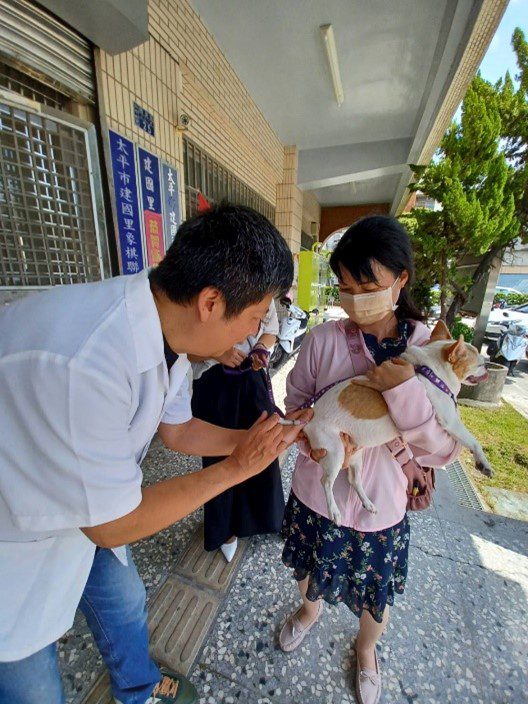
(368, 308)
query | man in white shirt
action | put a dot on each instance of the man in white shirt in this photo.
(84, 386)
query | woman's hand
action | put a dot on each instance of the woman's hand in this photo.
(232, 358)
(350, 449)
(388, 375)
(317, 454)
(256, 363)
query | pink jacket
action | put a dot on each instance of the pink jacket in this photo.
(324, 358)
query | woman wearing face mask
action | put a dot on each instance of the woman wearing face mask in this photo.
(362, 563)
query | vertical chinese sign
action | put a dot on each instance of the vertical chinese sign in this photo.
(126, 195)
(171, 202)
(149, 176)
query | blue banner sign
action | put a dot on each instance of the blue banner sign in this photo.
(171, 202)
(126, 195)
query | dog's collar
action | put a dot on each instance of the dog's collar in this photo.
(429, 374)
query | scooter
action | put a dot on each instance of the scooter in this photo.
(511, 346)
(293, 326)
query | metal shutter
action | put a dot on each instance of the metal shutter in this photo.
(33, 39)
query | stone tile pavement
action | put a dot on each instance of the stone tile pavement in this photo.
(459, 634)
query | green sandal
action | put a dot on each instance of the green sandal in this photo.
(172, 689)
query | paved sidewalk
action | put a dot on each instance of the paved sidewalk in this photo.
(516, 389)
(459, 634)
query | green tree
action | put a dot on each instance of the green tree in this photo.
(479, 175)
(514, 128)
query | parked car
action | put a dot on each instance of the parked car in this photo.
(505, 289)
(498, 316)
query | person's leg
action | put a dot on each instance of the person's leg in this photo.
(33, 680)
(310, 610)
(370, 631)
(114, 605)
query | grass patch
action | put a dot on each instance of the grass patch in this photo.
(503, 434)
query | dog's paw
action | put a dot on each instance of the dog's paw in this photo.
(369, 506)
(335, 515)
(484, 468)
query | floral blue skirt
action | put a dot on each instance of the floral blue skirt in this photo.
(362, 570)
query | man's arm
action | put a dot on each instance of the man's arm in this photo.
(169, 501)
(196, 437)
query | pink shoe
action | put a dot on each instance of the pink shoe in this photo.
(368, 683)
(293, 632)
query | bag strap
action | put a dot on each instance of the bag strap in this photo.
(402, 453)
(359, 360)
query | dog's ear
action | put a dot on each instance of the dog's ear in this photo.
(457, 351)
(440, 332)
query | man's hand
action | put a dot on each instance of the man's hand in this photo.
(232, 358)
(305, 416)
(260, 446)
(388, 375)
(294, 433)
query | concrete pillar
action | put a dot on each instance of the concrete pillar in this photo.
(288, 214)
(489, 284)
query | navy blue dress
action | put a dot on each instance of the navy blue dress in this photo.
(256, 506)
(361, 570)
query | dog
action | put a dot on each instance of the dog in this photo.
(361, 412)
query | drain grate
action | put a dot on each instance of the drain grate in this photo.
(464, 489)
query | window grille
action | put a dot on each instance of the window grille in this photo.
(205, 175)
(47, 230)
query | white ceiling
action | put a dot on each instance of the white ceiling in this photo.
(396, 59)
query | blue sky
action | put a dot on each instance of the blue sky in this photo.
(500, 56)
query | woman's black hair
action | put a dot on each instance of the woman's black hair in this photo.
(382, 239)
(229, 247)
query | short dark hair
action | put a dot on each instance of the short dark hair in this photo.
(385, 240)
(229, 247)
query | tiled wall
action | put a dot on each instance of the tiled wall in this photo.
(182, 70)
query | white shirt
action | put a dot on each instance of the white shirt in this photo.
(83, 388)
(269, 326)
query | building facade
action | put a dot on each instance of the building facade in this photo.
(120, 119)
(103, 155)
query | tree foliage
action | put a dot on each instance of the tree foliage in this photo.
(479, 176)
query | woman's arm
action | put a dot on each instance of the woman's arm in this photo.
(266, 340)
(412, 412)
(414, 416)
(301, 381)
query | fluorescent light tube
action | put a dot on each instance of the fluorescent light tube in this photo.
(327, 34)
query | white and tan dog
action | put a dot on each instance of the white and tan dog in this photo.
(362, 412)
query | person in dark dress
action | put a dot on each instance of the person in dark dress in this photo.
(232, 391)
